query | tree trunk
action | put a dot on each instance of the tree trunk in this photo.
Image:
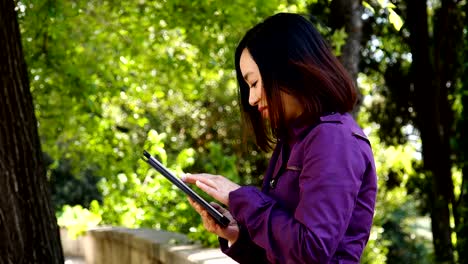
(347, 13)
(448, 36)
(430, 107)
(462, 141)
(28, 227)
(462, 206)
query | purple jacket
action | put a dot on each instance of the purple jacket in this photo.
(317, 200)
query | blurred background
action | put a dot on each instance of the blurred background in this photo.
(111, 78)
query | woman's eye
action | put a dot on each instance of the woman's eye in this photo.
(253, 85)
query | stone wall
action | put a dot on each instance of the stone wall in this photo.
(112, 245)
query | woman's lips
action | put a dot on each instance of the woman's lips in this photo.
(263, 111)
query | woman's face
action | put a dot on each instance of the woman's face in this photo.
(251, 74)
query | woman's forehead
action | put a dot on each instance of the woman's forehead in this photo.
(247, 64)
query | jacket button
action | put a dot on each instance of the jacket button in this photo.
(273, 183)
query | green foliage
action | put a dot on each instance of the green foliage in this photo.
(388, 62)
(68, 188)
(77, 219)
(393, 17)
(339, 40)
(110, 79)
(400, 233)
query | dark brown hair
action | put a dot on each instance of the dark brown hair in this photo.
(294, 58)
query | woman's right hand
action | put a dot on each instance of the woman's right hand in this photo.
(230, 233)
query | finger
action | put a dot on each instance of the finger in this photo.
(189, 178)
(196, 206)
(206, 217)
(208, 222)
(212, 226)
(207, 188)
(204, 177)
(191, 201)
(192, 178)
(184, 176)
(219, 208)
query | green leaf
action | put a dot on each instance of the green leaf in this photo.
(339, 40)
(368, 6)
(395, 19)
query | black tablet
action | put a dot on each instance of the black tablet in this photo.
(220, 219)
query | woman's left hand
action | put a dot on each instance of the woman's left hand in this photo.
(216, 186)
(230, 232)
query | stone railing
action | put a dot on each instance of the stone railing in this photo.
(114, 245)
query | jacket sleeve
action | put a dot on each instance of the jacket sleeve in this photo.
(244, 250)
(329, 183)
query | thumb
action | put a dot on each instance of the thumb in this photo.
(218, 207)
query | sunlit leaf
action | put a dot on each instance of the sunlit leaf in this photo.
(395, 19)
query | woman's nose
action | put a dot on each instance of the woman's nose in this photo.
(253, 97)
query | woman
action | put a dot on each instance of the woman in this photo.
(317, 200)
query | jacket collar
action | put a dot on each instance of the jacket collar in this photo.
(303, 124)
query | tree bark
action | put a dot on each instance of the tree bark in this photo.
(448, 36)
(462, 141)
(347, 13)
(28, 227)
(462, 205)
(431, 109)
